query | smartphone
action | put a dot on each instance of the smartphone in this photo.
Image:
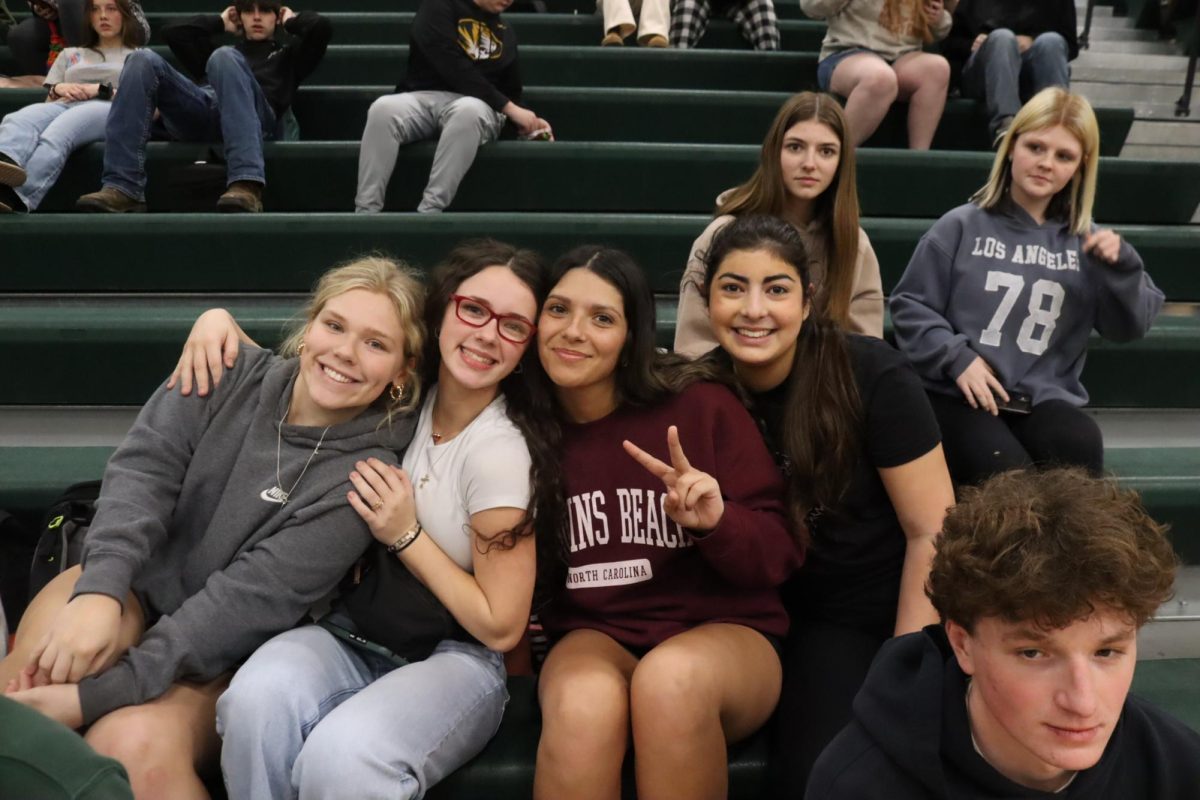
(1017, 403)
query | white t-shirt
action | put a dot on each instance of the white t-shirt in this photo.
(85, 65)
(485, 466)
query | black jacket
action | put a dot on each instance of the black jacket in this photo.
(910, 740)
(278, 68)
(1022, 17)
(458, 47)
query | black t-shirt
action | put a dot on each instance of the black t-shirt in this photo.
(851, 575)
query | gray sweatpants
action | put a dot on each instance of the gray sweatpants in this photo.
(465, 123)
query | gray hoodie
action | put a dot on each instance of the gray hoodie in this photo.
(182, 521)
(1023, 296)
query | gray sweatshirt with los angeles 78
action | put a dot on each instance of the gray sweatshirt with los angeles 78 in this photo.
(185, 521)
(1023, 296)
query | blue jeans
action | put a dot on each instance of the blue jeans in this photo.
(1002, 76)
(231, 108)
(41, 137)
(309, 716)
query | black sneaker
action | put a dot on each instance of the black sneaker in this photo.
(11, 173)
(10, 203)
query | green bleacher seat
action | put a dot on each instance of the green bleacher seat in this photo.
(580, 30)
(116, 349)
(641, 177)
(647, 115)
(289, 251)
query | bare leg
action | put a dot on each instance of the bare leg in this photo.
(691, 696)
(584, 693)
(163, 743)
(43, 610)
(869, 85)
(922, 79)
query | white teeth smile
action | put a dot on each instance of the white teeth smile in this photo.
(335, 375)
(476, 358)
(752, 334)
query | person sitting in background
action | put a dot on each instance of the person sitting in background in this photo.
(755, 20)
(55, 24)
(463, 82)
(36, 141)
(1009, 50)
(653, 20)
(1042, 581)
(247, 88)
(872, 56)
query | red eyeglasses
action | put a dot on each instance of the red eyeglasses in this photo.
(511, 327)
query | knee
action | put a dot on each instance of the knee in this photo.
(468, 116)
(253, 698)
(584, 708)
(142, 62)
(671, 691)
(150, 755)
(937, 71)
(879, 82)
(1050, 43)
(332, 751)
(223, 61)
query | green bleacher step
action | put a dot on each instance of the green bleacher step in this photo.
(339, 113)
(1167, 477)
(579, 30)
(207, 252)
(115, 350)
(634, 177)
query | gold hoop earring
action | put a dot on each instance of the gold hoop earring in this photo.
(396, 392)
(300, 349)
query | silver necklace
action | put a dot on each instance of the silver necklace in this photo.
(276, 493)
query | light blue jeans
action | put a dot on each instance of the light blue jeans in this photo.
(42, 136)
(309, 716)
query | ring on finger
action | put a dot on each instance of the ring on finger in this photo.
(378, 504)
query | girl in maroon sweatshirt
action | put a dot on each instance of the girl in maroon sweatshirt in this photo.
(670, 619)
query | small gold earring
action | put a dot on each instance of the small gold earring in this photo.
(300, 349)
(396, 392)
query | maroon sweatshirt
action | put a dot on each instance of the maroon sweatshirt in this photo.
(638, 576)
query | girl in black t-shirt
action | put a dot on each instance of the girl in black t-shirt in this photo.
(850, 424)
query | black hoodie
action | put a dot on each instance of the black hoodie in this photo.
(1023, 17)
(910, 740)
(278, 68)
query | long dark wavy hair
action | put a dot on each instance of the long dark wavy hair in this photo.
(822, 419)
(528, 395)
(644, 374)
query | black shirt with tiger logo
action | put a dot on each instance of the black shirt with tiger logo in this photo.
(456, 46)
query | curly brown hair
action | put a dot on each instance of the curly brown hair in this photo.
(1050, 547)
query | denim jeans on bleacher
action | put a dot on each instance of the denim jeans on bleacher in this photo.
(42, 136)
(310, 716)
(1001, 75)
(232, 108)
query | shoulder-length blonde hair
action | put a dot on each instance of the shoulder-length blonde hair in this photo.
(836, 208)
(398, 282)
(1050, 107)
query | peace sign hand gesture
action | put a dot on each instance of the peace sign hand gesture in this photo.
(693, 497)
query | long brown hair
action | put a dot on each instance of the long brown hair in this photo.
(131, 29)
(836, 208)
(529, 402)
(820, 433)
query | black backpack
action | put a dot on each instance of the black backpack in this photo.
(60, 539)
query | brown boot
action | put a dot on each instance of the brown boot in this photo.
(242, 197)
(654, 40)
(110, 201)
(612, 39)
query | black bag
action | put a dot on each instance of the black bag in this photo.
(390, 607)
(16, 548)
(60, 542)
